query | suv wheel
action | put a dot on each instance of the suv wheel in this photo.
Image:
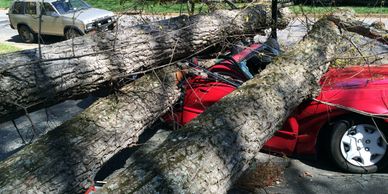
(26, 34)
(72, 33)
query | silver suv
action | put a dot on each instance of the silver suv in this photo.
(68, 18)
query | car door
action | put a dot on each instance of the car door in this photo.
(31, 16)
(52, 22)
(17, 14)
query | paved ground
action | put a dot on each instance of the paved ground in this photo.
(43, 120)
(300, 176)
(309, 177)
(306, 177)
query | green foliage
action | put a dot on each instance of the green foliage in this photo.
(147, 6)
(6, 48)
(5, 3)
(165, 6)
(327, 10)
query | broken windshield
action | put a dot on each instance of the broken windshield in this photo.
(67, 6)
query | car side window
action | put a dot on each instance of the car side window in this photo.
(18, 8)
(31, 8)
(76, 3)
(61, 6)
(48, 10)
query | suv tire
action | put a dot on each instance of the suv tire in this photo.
(26, 34)
(72, 33)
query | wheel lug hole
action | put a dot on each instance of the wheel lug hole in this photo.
(366, 149)
(367, 141)
(358, 148)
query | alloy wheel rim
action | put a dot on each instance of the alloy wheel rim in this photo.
(363, 145)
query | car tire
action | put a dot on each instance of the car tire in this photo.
(72, 33)
(26, 34)
(358, 146)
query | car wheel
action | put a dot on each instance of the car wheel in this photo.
(358, 146)
(26, 34)
(72, 33)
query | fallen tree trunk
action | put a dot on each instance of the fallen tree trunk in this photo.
(209, 154)
(33, 182)
(74, 68)
(128, 21)
(70, 154)
(347, 22)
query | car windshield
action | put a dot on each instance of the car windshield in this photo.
(67, 6)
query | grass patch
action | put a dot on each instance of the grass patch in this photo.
(157, 7)
(6, 48)
(147, 6)
(5, 3)
(327, 10)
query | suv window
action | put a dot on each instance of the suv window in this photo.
(31, 8)
(68, 6)
(18, 8)
(48, 9)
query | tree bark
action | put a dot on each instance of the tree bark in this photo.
(70, 154)
(74, 68)
(209, 153)
(346, 21)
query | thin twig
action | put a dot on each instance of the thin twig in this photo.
(17, 129)
(27, 114)
(381, 133)
(380, 116)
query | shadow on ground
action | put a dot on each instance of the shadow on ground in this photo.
(46, 39)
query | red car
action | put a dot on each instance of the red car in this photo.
(338, 122)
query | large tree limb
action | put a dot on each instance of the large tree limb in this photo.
(74, 68)
(70, 154)
(347, 22)
(209, 154)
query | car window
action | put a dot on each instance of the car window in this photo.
(67, 6)
(62, 7)
(48, 9)
(78, 4)
(18, 8)
(31, 8)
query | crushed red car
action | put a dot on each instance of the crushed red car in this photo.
(346, 121)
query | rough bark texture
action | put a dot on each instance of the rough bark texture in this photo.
(209, 154)
(127, 21)
(345, 20)
(70, 154)
(90, 63)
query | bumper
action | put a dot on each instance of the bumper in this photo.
(101, 27)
